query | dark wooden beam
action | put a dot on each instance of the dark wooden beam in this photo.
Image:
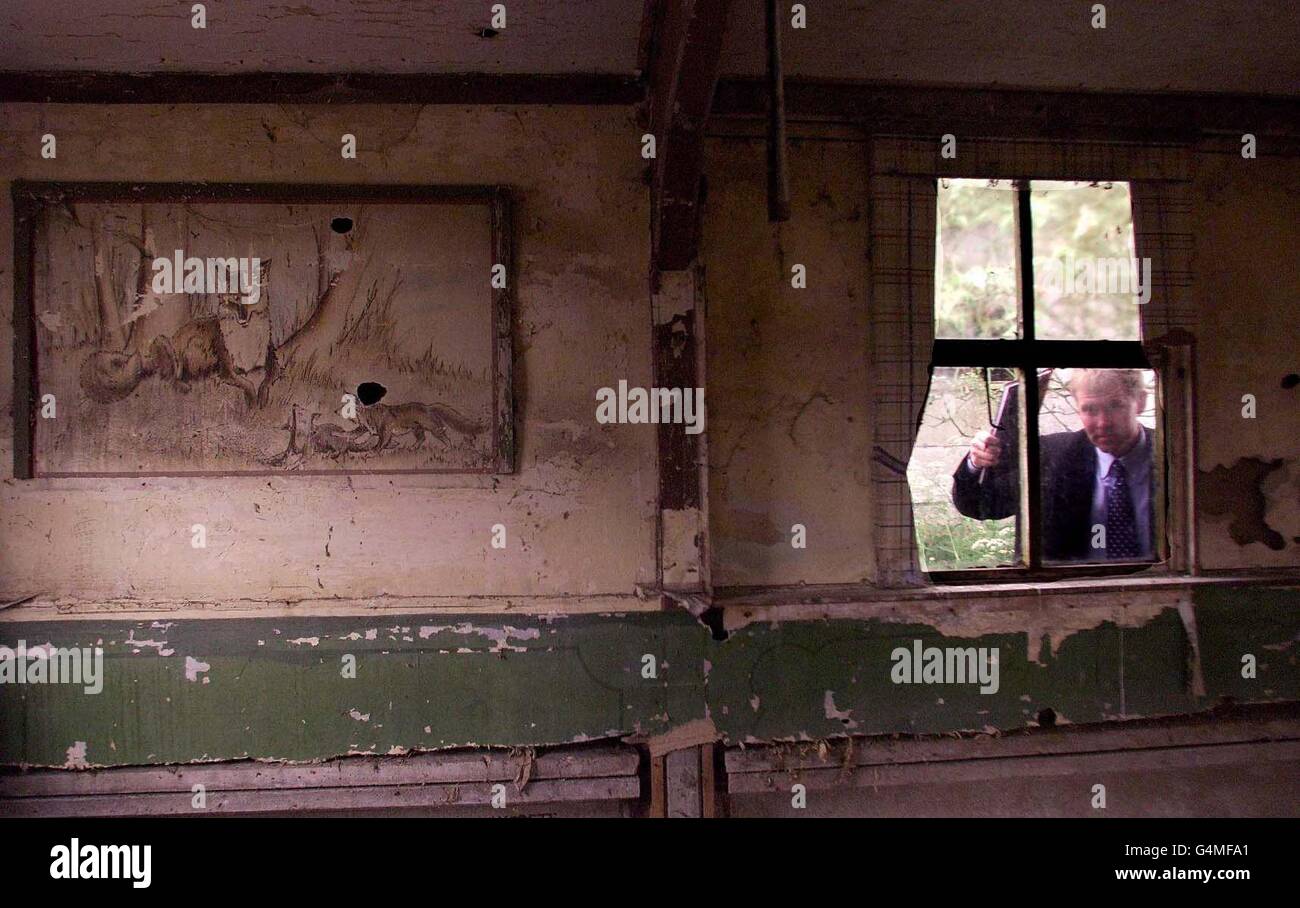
(651, 13)
(778, 174)
(317, 88)
(683, 71)
(925, 110)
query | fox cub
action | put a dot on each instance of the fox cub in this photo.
(390, 420)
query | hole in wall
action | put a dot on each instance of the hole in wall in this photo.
(1290, 381)
(487, 33)
(1047, 717)
(713, 618)
(370, 392)
(341, 225)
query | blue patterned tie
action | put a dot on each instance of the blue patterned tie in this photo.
(1121, 524)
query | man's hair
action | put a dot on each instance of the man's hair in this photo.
(1129, 382)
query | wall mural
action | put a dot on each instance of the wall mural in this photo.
(247, 329)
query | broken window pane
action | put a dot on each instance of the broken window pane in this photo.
(965, 517)
(1087, 281)
(1100, 466)
(976, 289)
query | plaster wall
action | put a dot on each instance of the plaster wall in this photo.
(1247, 281)
(789, 378)
(789, 383)
(579, 511)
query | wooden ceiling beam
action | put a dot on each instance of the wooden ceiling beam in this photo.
(685, 48)
(1029, 113)
(317, 88)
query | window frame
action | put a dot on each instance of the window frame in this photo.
(1027, 353)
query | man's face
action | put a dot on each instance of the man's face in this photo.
(1109, 417)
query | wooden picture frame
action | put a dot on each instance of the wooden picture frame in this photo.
(65, 303)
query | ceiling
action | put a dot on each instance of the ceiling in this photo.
(1152, 45)
(1147, 45)
(399, 36)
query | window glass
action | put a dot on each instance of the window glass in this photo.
(1099, 461)
(1087, 282)
(976, 290)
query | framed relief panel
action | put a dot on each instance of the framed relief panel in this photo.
(178, 329)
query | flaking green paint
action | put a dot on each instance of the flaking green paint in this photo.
(532, 681)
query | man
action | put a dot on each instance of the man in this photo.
(1098, 477)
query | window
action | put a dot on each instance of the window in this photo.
(1037, 289)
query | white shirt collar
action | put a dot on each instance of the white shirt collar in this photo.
(1105, 460)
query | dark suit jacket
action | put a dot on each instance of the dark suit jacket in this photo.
(1069, 475)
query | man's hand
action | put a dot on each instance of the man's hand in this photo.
(985, 450)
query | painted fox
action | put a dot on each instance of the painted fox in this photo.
(390, 420)
(228, 346)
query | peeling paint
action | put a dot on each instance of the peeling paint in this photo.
(683, 532)
(1238, 492)
(500, 637)
(1054, 618)
(193, 668)
(762, 684)
(845, 716)
(1196, 679)
(159, 645)
(76, 756)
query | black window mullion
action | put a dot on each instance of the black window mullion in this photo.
(1064, 354)
(1029, 369)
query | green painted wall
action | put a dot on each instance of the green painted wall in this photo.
(273, 688)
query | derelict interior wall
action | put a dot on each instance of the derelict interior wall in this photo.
(789, 380)
(580, 509)
(1247, 284)
(789, 375)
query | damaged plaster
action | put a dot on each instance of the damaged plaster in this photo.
(193, 668)
(1237, 492)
